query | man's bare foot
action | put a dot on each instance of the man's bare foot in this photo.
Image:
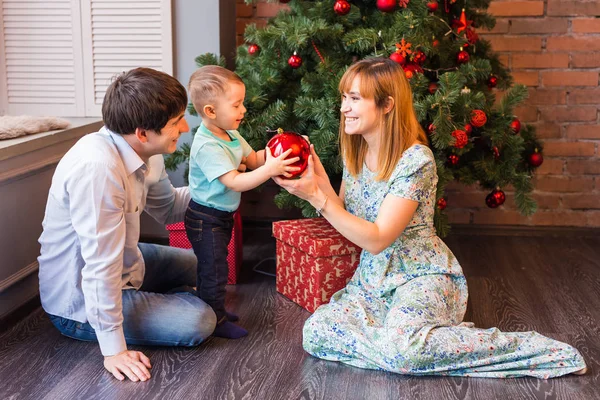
(581, 371)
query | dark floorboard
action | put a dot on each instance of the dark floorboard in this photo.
(547, 284)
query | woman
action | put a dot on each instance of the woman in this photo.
(403, 309)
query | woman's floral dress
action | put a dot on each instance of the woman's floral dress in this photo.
(403, 309)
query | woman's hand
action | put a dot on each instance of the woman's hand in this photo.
(306, 187)
(318, 166)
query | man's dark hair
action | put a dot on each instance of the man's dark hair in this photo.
(142, 98)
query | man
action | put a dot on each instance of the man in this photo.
(97, 283)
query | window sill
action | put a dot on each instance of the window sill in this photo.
(25, 144)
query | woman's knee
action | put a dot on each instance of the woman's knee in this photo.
(312, 337)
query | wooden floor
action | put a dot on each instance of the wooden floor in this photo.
(551, 285)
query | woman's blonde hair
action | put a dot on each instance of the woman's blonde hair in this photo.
(381, 78)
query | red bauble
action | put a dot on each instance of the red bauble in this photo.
(432, 6)
(341, 7)
(461, 138)
(515, 126)
(478, 118)
(435, 43)
(253, 49)
(462, 57)
(453, 159)
(535, 159)
(492, 82)
(496, 152)
(398, 57)
(386, 5)
(419, 57)
(411, 69)
(295, 61)
(442, 203)
(495, 199)
(468, 129)
(283, 141)
(433, 87)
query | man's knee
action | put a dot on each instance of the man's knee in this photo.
(201, 323)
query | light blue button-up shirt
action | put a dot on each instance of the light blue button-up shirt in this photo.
(91, 227)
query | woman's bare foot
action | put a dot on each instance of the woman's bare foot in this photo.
(581, 371)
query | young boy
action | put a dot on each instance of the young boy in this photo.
(216, 184)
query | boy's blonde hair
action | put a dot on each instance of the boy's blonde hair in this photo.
(209, 82)
(381, 78)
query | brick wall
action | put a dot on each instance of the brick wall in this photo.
(553, 47)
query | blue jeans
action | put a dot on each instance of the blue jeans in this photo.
(209, 231)
(165, 310)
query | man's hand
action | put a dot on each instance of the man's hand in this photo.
(134, 364)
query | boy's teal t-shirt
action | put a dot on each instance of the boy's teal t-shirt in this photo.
(211, 157)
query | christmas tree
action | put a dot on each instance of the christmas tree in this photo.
(292, 67)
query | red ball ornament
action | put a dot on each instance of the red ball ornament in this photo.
(253, 49)
(419, 57)
(341, 7)
(283, 141)
(500, 196)
(462, 57)
(461, 138)
(515, 126)
(468, 129)
(432, 88)
(495, 199)
(411, 69)
(492, 82)
(535, 159)
(398, 57)
(478, 118)
(453, 160)
(432, 6)
(442, 203)
(295, 61)
(386, 5)
(435, 43)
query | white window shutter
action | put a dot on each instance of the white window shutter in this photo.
(119, 36)
(40, 58)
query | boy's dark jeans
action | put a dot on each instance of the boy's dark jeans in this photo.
(209, 231)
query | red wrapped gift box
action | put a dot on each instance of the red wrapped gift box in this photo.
(178, 238)
(313, 261)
